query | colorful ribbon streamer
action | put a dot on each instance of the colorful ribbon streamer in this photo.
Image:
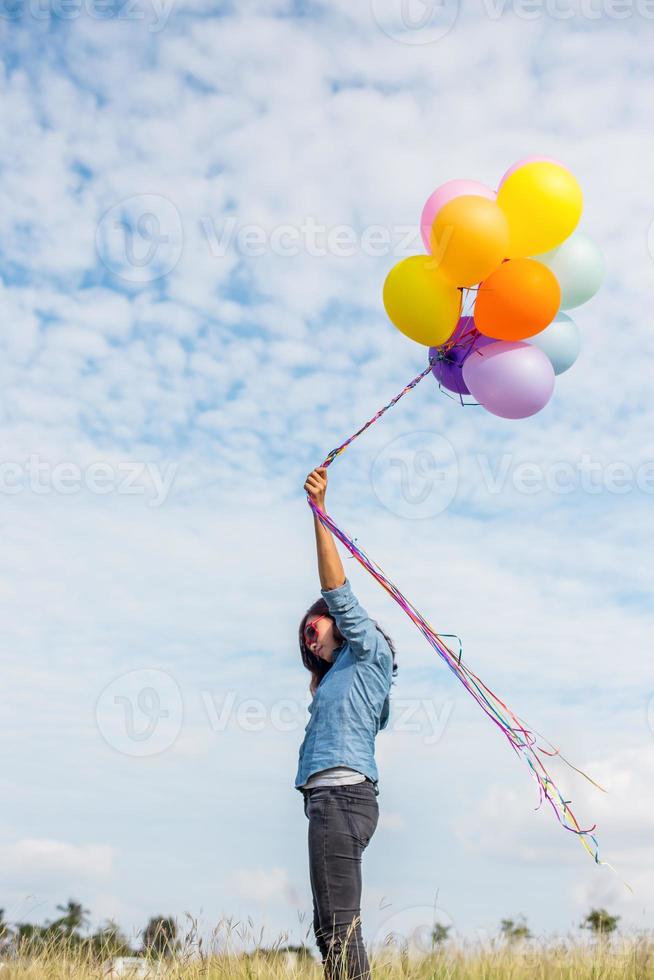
(521, 738)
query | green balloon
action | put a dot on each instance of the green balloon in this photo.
(578, 264)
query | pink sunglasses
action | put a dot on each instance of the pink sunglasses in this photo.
(310, 631)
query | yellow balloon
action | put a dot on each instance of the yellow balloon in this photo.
(421, 302)
(543, 204)
(469, 239)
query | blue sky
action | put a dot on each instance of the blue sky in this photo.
(185, 335)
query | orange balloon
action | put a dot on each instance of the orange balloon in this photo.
(469, 238)
(517, 301)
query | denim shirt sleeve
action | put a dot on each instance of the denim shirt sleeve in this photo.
(352, 620)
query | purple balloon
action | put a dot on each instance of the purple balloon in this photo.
(448, 370)
(511, 379)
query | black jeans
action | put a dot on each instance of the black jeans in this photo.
(342, 819)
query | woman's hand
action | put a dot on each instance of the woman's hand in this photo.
(316, 485)
(330, 566)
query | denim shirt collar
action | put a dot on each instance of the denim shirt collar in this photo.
(338, 651)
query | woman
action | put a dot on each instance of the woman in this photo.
(352, 663)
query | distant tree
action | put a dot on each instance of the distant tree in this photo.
(514, 931)
(439, 934)
(272, 953)
(5, 933)
(600, 923)
(302, 951)
(160, 936)
(109, 941)
(75, 917)
(30, 938)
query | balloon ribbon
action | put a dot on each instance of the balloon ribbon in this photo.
(521, 738)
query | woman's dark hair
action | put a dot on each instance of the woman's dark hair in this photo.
(317, 665)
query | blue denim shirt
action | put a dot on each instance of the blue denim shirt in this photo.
(351, 703)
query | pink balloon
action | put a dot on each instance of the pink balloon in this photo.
(532, 159)
(441, 196)
(510, 378)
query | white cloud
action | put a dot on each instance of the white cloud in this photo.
(504, 827)
(389, 820)
(41, 856)
(263, 884)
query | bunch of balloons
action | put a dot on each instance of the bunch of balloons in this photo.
(518, 253)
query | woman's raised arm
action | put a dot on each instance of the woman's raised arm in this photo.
(330, 566)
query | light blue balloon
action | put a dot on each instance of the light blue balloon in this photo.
(561, 341)
(578, 264)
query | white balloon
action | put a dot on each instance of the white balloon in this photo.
(561, 341)
(578, 264)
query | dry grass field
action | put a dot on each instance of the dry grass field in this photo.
(618, 959)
